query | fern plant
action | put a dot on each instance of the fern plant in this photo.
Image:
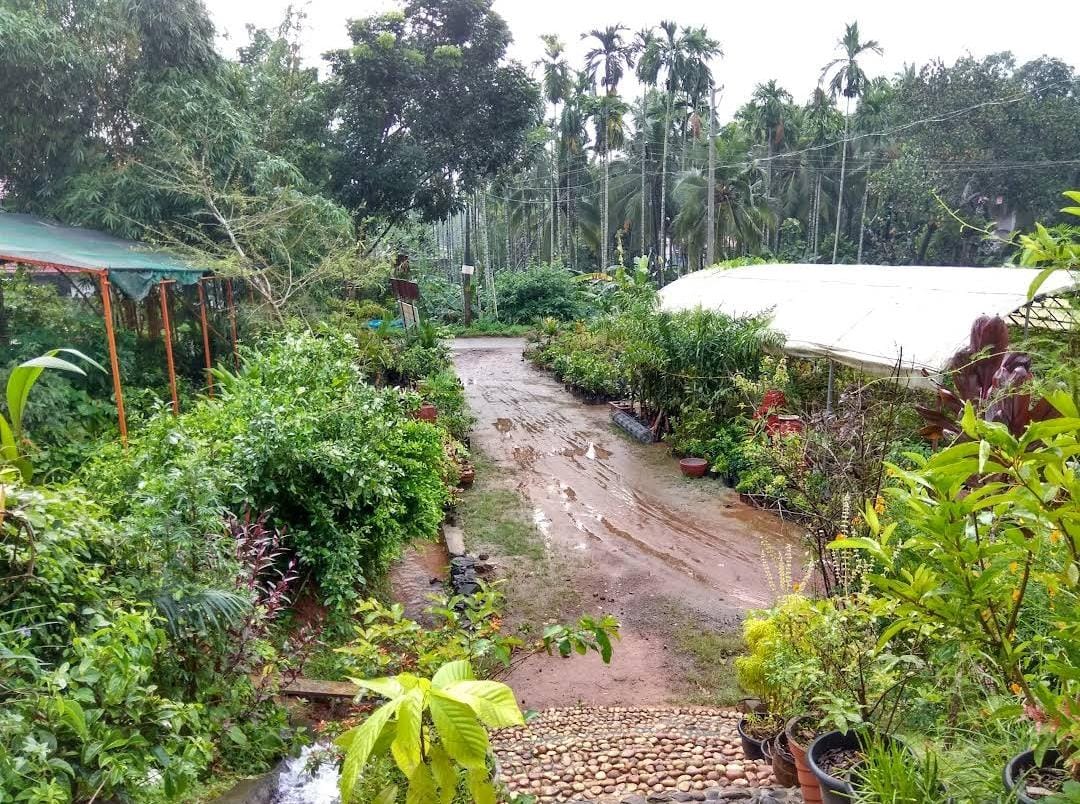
(19, 384)
(436, 731)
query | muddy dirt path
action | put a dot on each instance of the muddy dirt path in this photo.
(637, 536)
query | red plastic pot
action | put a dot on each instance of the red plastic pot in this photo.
(694, 467)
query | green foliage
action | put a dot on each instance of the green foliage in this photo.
(98, 695)
(20, 382)
(436, 730)
(94, 723)
(464, 627)
(987, 559)
(341, 466)
(891, 774)
(538, 292)
(699, 434)
(443, 390)
(425, 102)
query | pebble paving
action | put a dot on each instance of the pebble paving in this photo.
(623, 755)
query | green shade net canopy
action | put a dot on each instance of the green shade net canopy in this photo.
(133, 267)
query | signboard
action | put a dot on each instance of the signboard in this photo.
(410, 316)
(467, 270)
(404, 290)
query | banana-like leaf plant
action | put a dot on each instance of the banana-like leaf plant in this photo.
(19, 384)
(436, 731)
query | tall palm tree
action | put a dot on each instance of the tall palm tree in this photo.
(573, 140)
(662, 55)
(606, 63)
(821, 125)
(871, 118)
(849, 80)
(769, 111)
(556, 84)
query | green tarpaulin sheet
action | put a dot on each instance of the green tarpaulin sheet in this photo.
(133, 267)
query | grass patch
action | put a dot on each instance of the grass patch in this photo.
(496, 519)
(710, 674)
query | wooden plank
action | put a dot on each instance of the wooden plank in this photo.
(316, 689)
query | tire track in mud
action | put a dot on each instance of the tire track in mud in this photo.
(635, 531)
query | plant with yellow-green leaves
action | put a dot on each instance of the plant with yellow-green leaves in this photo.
(436, 731)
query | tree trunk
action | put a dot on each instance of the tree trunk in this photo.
(644, 140)
(506, 215)
(710, 232)
(862, 221)
(843, 168)
(817, 215)
(554, 182)
(606, 227)
(663, 191)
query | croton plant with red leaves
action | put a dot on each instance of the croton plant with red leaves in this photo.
(995, 380)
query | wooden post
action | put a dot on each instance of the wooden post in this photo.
(114, 361)
(163, 296)
(206, 340)
(232, 321)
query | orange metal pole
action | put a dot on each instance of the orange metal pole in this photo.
(206, 339)
(114, 361)
(232, 320)
(163, 295)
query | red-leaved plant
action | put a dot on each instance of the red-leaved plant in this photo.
(996, 381)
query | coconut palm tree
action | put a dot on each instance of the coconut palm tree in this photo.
(606, 63)
(556, 85)
(742, 214)
(849, 80)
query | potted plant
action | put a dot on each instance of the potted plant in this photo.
(427, 413)
(694, 467)
(1006, 473)
(834, 758)
(1030, 779)
(466, 476)
(801, 731)
(783, 762)
(757, 728)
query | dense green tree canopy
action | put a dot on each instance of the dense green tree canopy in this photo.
(427, 106)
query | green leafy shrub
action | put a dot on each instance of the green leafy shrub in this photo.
(543, 290)
(341, 466)
(443, 389)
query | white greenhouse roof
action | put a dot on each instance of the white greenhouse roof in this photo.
(864, 316)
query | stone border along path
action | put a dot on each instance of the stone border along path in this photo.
(624, 755)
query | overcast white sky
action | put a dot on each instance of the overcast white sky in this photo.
(789, 41)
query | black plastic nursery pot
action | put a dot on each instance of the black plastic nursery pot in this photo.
(1022, 764)
(751, 745)
(834, 789)
(783, 762)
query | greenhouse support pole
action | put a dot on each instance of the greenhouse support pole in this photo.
(206, 340)
(828, 391)
(232, 321)
(114, 360)
(166, 331)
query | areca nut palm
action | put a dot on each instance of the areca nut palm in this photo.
(847, 79)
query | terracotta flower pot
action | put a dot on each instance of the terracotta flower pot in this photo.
(466, 477)
(808, 783)
(694, 467)
(427, 412)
